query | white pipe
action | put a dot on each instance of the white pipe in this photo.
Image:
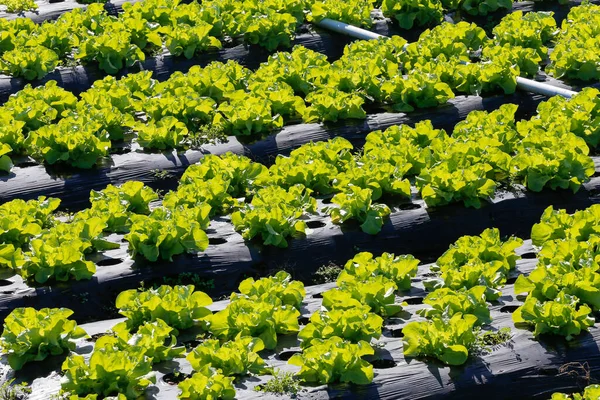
(522, 83)
(347, 29)
(543, 88)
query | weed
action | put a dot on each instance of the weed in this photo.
(487, 340)
(161, 174)
(327, 273)
(206, 134)
(10, 391)
(281, 383)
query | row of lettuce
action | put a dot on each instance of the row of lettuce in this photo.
(18, 6)
(115, 42)
(273, 204)
(338, 335)
(53, 126)
(32, 51)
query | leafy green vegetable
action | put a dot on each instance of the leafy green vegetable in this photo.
(353, 324)
(578, 115)
(557, 224)
(20, 221)
(369, 172)
(454, 41)
(281, 286)
(186, 40)
(5, 161)
(560, 316)
(477, 260)
(179, 307)
(77, 142)
(589, 393)
(363, 266)
(487, 247)
(379, 293)
(447, 302)
(531, 30)
(239, 170)
(334, 360)
(28, 62)
(167, 133)
(271, 30)
(274, 213)
(574, 54)
(39, 106)
(313, 165)
(498, 125)
(114, 205)
(448, 340)
(109, 371)
(259, 319)
(411, 13)
(236, 357)
(356, 203)
(111, 48)
(402, 145)
(447, 182)
(187, 106)
(157, 338)
(166, 233)
(245, 114)
(356, 12)
(58, 256)
(207, 384)
(481, 7)
(565, 266)
(32, 335)
(18, 6)
(331, 104)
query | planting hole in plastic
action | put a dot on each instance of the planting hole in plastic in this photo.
(409, 206)
(509, 309)
(511, 280)
(173, 378)
(383, 364)
(286, 355)
(315, 224)
(397, 333)
(529, 255)
(216, 241)
(414, 300)
(107, 262)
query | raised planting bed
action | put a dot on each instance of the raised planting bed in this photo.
(412, 228)
(521, 368)
(73, 186)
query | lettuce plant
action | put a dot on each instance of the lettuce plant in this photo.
(259, 319)
(447, 339)
(363, 266)
(180, 307)
(237, 357)
(353, 325)
(334, 360)
(561, 316)
(280, 286)
(33, 335)
(110, 370)
(207, 384)
(356, 203)
(446, 302)
(166, 233)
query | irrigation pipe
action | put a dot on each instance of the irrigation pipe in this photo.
(522, 83)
